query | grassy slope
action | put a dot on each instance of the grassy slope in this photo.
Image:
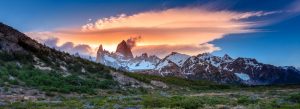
(85, 76)
(247, 100)
(181, 82)
(20, 67)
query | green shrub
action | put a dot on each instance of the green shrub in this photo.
(96, 77)
(245, 100)
(193, 84)
(294, 98)
(186, 102)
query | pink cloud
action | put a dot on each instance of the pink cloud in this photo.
(163, 31)
(163, 50)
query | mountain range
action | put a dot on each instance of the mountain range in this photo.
(19, 52)
(224, 70)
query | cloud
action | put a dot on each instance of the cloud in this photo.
(67, 46)
(131, 42)
(177, 18)
(163, 50)
(70, 47)
(176, 26)
(294, 7)
(50, 40)
(44, 37)
(176, 29)
(83, 48)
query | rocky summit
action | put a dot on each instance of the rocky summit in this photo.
(124, 49)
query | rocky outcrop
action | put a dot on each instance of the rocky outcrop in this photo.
(124, 49)
(11, 40)
(159, 84)
(128, 81)
(99, 54)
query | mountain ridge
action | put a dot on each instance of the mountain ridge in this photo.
(206, 66)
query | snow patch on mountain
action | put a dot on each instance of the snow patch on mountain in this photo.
(213, 60)
(178, 58)
(108, 58)
(162, 64)
(143, 65)
(251, 62)
(243, 76)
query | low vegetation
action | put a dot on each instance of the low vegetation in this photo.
(16, 69)
(19, 70)
(259, 101)
(192, 84)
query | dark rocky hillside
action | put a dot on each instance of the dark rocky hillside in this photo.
(27, 63)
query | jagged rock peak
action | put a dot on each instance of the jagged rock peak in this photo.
(226, 57)
(100, 49)
(124, 49)
(204, 55)
(177, 58)
(246, 60)
(174, 53)
(145, 55)
(177, 54)
(99, 54)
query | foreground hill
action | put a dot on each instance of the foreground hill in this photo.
(27, 63)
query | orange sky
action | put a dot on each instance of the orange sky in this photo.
(172, 27)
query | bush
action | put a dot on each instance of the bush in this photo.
(186, 102)
(245, 100)
(53, 80)
(193, 84)
(294, 98)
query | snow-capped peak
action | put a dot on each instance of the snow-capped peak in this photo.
(177, 58)
(205, 56)
(209, 58)
(226, 57)
(289, 68)
(162, 64)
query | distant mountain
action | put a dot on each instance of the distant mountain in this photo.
(124, 60)
(204, 67)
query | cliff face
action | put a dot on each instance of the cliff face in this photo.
(99, 53)
(124, 49)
